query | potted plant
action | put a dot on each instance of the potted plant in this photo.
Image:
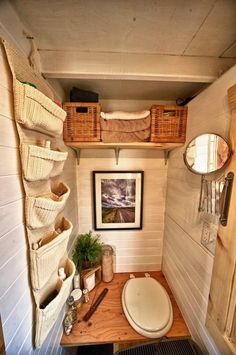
(87, 250)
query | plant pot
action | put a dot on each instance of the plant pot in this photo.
(87, 264)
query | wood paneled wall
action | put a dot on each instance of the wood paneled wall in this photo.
(16, 304)
(136, 250)
(187, 265)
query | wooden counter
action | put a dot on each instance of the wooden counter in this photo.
(109, 325)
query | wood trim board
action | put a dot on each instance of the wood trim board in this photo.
(221, 314)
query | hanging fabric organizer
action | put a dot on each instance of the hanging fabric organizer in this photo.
(39, 124)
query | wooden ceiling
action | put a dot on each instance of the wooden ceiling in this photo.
(110, 35)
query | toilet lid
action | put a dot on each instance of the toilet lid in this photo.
(147, 303)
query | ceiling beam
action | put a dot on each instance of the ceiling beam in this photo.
(132, 66)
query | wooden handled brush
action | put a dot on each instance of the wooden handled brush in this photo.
(95, 305)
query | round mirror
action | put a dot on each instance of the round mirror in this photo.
(207, 153)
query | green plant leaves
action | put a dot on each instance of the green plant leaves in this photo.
(87, 248)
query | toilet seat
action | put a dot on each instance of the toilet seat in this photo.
(147, 307)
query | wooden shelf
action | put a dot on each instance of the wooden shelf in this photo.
(166, 147)
(109, 325)
(101, 145)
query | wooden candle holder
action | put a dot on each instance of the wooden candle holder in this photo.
(86, 276)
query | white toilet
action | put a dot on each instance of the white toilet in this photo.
(147, 307)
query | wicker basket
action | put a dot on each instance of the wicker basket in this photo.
(168, 124)
(82, 123)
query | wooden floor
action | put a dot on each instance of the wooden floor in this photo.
(109, 325)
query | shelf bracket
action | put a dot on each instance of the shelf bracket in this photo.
(117, 154)
(166, 155)
(77, 152)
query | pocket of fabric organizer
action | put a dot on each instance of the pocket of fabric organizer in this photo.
(45, 318)
(41, 163)
(41, 211)
(48, 258)
(36, 111)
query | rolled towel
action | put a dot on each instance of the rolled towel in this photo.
(122, 115)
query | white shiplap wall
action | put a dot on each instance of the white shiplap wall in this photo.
(16, 304)
(187, 265)
(136, 250)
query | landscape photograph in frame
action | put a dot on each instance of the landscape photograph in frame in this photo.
(118, 199)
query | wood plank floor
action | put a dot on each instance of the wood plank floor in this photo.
(109, 325)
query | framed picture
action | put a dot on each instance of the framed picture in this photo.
(118, 199)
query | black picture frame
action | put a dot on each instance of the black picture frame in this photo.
(118, 200)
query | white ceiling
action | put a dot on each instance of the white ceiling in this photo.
(180, 28)
(139, 90)
(177, 27)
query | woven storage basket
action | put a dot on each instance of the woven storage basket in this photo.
(45, 318)
(168, 124)
(45, 260)
(82, 122)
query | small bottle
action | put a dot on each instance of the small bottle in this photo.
(86, 295)
(68, 324)
(76, 280)
(77, 294)
(72, 311)
(61, 273)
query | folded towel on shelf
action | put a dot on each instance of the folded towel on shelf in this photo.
(125, 125)
(122, 115)
(125, 137)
